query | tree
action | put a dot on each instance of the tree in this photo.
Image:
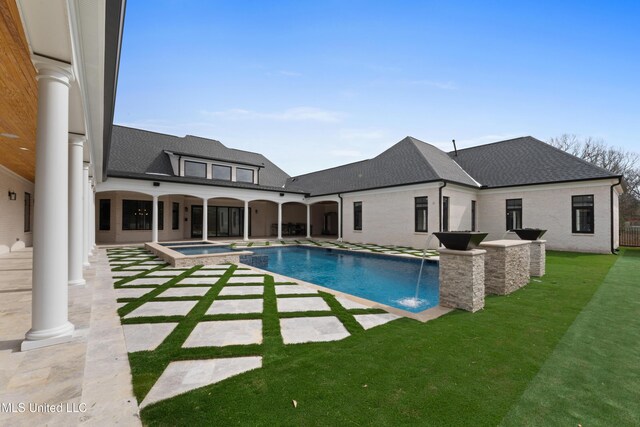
(615, 160)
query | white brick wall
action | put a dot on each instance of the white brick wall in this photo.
(549, 207)
(12, 233)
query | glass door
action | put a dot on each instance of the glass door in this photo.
(235, 221)
(196, 221)
(211, 221)
(223, 221)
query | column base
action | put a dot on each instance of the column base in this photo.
(77, 282)
(39, 339)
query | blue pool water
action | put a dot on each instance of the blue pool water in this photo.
(384, 279)
(202, 250)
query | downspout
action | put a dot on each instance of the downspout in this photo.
(613, 249)
(444, 184)
(340, 237)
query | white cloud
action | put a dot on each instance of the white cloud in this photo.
(290, 115)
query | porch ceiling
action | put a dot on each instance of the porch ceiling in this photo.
(18, 95)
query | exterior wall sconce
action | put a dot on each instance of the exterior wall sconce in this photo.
(281, 194)
(156, 184)
(12, 195)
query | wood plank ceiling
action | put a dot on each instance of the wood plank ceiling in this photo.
(18, 95)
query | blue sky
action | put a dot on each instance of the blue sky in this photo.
(315, 84)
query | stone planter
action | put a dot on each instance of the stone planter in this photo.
(460, 240)
(529, 233)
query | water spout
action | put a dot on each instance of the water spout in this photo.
(416, 301)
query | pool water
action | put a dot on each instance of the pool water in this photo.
(202, 250)
(383, 279)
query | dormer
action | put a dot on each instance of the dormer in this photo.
(191, 166)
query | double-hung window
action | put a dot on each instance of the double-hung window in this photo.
(422, 214)
(514, 214)
(357, 215)
(582, 214)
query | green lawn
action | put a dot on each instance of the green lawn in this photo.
(461, 369)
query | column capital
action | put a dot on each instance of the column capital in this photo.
(52, 69)
(77, 139)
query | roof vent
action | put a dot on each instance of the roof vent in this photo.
(454, 147)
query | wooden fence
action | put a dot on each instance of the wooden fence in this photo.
(630, 236)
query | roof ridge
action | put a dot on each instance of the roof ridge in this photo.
(148, 131)
(576, 157)
(333, 167)
(493, 143)
(413, 141)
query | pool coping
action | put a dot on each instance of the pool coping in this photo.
(177, 259)
(422, 316)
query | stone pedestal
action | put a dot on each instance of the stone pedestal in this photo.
(462, 279)
(538, 258)
(506, 265)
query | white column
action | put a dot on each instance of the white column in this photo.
(279, 221)
(76, 220)
(246, 220)
(340, 220)
(308, 221)
(86, 249)
(154, 220)
(205, 219)
(92, 216)
(49, 300)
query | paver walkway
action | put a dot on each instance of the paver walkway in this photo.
(217, 317)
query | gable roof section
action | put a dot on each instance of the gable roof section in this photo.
(137, 153)
(524, 161)
(407, 162)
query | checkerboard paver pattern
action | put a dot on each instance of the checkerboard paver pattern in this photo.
(219, 311)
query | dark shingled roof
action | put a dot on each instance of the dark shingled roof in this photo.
(141, 154)
(524, 161)
(408, 161)
(137, 153)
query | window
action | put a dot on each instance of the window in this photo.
(27, 212)
(195, 169)
(105, 214)
(582, 214)
(357, 215)
(222, 172)
(514, 214)
(175, 216)
(136, 214)
(445, 213)
(244, 175)
(422, 214)
(160, 215)
(473, 215)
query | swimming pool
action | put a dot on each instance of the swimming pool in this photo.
(183, 243)
(384, 279)
(204, 249)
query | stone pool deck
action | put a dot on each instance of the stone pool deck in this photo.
(91, 376)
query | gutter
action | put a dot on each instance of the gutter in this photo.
(613, 249)
(341, 217)
(444, 184)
